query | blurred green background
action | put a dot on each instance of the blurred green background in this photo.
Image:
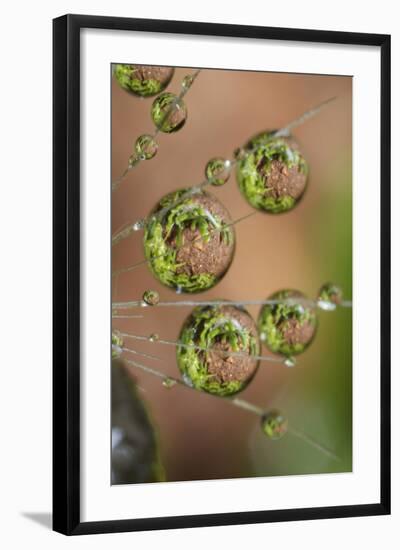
(200, 436)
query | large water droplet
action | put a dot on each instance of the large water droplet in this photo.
(198, 244)
(143, 80)
(288, 325)
(230, 337)
(272, 176)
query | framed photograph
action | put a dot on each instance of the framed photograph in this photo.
(221, 274)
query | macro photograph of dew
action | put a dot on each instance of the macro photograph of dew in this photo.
(231, 282)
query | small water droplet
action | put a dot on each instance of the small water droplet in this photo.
(329, 296)
(146, 147)
(168, 113)
(218, 171)
(151, 297)
(274, 424)
(187, 81)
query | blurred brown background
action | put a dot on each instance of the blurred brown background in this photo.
(202, 437)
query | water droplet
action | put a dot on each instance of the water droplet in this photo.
(187, 81)
(199, 242)
(146, 147)
(168, 112)
(274, 424)
(154, 337)
(288, 326)
(272, 176)
(227, 330)
(169, 383)
(218, 171)
(289, 362)
(143, 80)
(151, 297)
(329, 296)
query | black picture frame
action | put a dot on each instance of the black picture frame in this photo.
(66, 273)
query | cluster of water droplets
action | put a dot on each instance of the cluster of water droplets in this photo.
(287, 321)
(168, 111)
(289, 314)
